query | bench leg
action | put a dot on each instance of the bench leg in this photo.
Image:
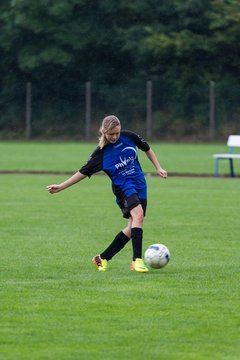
(216, 168)
(231, 167)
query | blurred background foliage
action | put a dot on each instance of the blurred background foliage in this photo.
(119, 46)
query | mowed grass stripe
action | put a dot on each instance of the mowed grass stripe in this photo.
(177, 158)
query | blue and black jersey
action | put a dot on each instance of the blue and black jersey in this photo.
(120, 162)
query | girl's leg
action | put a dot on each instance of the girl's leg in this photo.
(118, 242)
(137, 264)
(128, 230)
(137, 231)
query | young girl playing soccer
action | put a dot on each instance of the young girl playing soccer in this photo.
(116, 155)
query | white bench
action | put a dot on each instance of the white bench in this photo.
(233, 141)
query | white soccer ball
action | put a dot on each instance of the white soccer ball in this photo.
(157, 256)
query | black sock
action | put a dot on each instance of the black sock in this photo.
(117, 244)
(137, 236)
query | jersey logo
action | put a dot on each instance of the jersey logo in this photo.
(124, 160)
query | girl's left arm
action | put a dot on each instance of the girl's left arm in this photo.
(153, 158)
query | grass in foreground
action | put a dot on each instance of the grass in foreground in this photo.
(55, 305)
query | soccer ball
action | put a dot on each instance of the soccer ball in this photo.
(157, 256)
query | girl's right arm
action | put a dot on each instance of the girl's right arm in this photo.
(64, 185)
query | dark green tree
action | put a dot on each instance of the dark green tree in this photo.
(180, 45)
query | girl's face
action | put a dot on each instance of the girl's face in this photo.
(112, 135)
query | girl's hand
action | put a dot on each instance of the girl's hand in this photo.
(53, 188)
(162, 173)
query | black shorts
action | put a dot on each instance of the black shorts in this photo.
(129, 203)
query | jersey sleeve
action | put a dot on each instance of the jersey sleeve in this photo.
(138, 140)
(94, 163)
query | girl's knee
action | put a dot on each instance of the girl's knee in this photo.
(137, 214)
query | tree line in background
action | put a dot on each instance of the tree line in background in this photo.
(59, 46)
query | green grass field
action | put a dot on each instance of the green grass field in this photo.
(56, 305)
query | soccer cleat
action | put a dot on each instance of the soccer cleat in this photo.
(100, 263)
(139, 266)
